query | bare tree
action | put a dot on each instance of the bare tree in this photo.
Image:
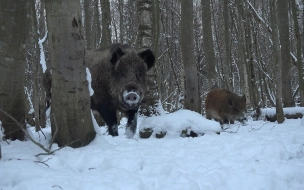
(283, 8)
(278, 62)
(208, 44)
(106, 23)
(70, 94)
(148, 29)
(298, 45)
(192, 98)
(13, 39)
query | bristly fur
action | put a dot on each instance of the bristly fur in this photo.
(224, 106)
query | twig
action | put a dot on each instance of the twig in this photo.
(56, 186)
(52, 152)
(255, 129)
(56, 131)
(43, 162)
(225, 130)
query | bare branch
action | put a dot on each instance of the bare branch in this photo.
(24, 131)
(258, 17)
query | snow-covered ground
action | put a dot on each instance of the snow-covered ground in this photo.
(259, 155)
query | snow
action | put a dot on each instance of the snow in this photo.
(173, 124)
(289, 111)
(42, 55)
(259, 155)
(89, 79)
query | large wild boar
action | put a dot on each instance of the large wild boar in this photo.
(119, 83)
(224, 106)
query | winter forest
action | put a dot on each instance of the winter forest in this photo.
(248, 47)
(71, 119)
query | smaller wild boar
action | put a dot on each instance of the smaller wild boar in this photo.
(224, 106)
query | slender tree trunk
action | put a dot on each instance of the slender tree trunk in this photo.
(228, 64)
(88, 18)
(285, 51)
(242, 49)
(278, 62)
(147, 29)
(192, 98)
(106, 23)
(70, 95)
(121, 20)
(299, 59)
(13, 38)
(208, 44)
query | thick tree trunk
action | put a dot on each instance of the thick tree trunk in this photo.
(13, 36)
(70, 94)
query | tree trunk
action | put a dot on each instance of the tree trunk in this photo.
(299, 59)
(208, 44)
(192, 98)
(70, 95)
(285, 51)
(88, 12)
(13, 38)
(106, 23)
(242, 52)
(228, 65)
(148, 28)
(278, 61)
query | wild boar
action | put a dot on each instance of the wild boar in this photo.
(119, 83)
(224, 106)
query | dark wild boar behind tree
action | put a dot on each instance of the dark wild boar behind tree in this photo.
(119, 83)
(224, 106)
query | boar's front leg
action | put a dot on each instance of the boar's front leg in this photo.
(132, 123)
(109, 116)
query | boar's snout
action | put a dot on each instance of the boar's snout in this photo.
(132, 96)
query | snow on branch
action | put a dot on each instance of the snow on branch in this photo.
(258, 17)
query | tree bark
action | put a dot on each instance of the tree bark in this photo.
(299, 50)
(13, 38)
(283, 7)
(106, 23)
(148, 28)
(70, 94)
(192, 98)
(278, 61)
(208, 44)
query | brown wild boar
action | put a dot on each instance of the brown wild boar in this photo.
(119, 83)
(224, 106)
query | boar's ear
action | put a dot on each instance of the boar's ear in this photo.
(148, 57)
(116, 55)
(244, 98)
(231, 101)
